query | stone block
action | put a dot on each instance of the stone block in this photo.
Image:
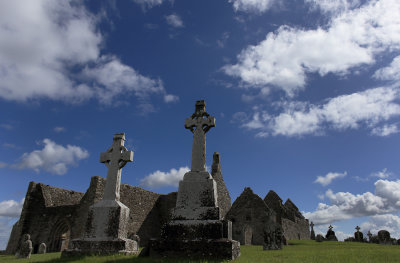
(197, 230)
(82, 247)
(197, 189)
(107, 220)
(201, 249)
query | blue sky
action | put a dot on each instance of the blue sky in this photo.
(305, 95)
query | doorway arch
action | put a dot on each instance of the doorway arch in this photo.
(59, 236)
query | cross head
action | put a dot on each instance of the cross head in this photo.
(115, 158)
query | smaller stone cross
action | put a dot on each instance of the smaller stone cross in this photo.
(115, 158)
(203, 122)
(312, 225)
(358, 228)
(330, 227)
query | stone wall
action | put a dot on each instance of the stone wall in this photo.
(54, 216)
(44, 215)
(250, 215)
(294, 225)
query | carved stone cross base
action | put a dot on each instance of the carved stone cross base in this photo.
(197, 198)
(105, 231)
(196, 229)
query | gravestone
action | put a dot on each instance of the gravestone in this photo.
(330, 235)
(273, 239)
(106, 227)
(312, 235)
(358, 236)
(319, 238)
(42, 248)
(384, 237)
(196, 229)
(26, 247)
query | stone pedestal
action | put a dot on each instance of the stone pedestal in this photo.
(106, 226)
(196, 230)
(105, 231)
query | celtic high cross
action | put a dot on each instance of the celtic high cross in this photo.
(199, 124)
(358, 228)
(115, 158)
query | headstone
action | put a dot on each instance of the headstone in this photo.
(319, 238)
(42, 248)
(273, 239)
(312, 235)
(106, 228)
(384, 237)
(369, 234)
(358, 236)
(330, 235)
(26, 247)
(196, 229)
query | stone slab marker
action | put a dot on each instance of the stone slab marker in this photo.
(106, 227)
(312, 234)
(196, 229)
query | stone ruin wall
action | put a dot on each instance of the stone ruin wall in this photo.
(48, 211)
(250, 215)
(44, 215)
(298, 229)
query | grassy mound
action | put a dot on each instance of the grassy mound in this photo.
(300, 251)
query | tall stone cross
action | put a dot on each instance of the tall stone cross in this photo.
(330, 227)
(199, 124)
(312, 226)
(115, 158)
(358, 228)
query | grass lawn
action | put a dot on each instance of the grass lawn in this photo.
(296, 252)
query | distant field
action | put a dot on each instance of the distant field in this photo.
(296, 252)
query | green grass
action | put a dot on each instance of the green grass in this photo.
(296, 252)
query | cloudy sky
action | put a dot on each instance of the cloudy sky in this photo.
(305, 95)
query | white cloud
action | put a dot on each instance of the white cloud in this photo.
(385, 130)
(350, 40)
(59, 129)
(168, 98)
(381, 174)
(345, 205)
(53, 158)
(115, 78)
(2, 164)
(174, 20)
(11, 208)
(368, 108)
(334, 6)
(387, 222)
(44, 40)
(148, 3)
(328, 178)
(254, 6)
(160, 179)
(391, 72)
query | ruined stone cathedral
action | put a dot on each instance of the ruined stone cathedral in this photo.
(55, 216)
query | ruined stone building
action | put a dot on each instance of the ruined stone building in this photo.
(54, 216)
